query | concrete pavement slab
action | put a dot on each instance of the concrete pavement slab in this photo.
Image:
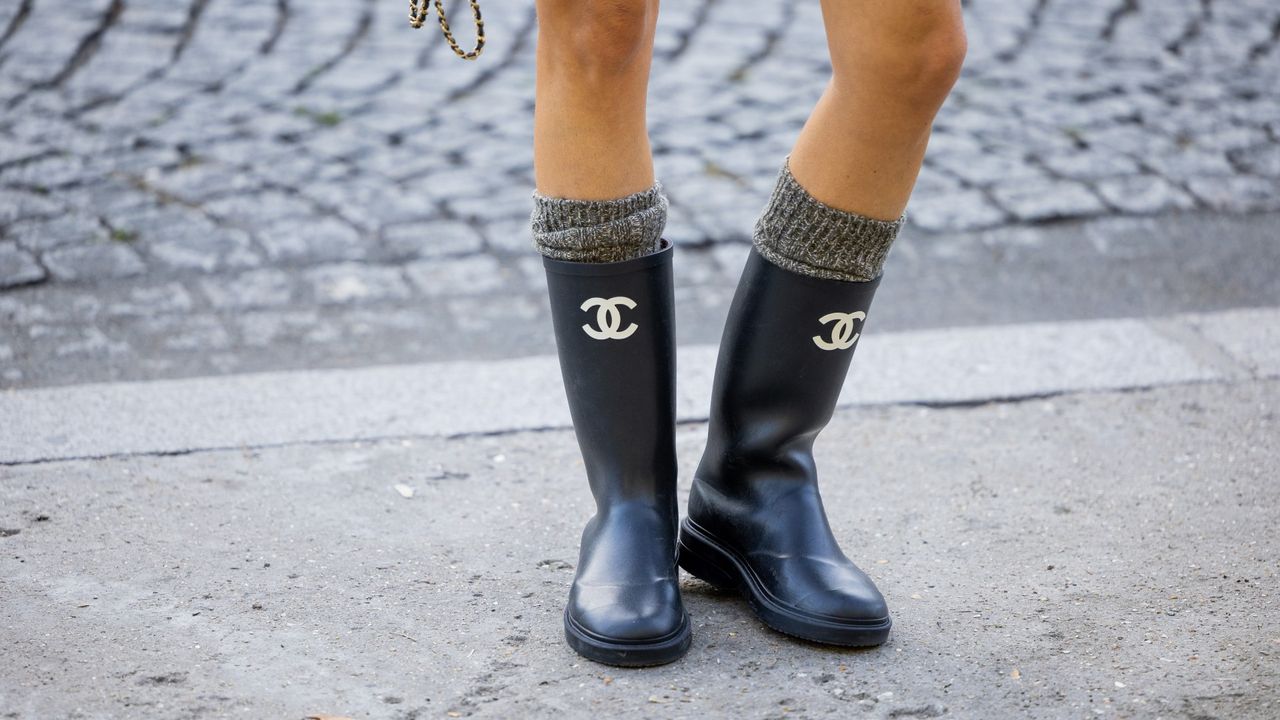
(1249, 336)
(959, 365)
(1093, 555)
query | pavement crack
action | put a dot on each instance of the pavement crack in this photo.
(986, 402)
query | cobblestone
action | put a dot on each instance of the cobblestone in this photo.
(243, 164)
(18, 267)
(96, 261)
(252, 289)
(463, 276)
(311, 240)
(1037, 200)
(149, 300)
(352, 282)
(431, 239)
(41, 234)
(1143, 194)
(1241, 194)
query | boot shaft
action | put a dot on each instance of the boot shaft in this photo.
(615, 335)
(786, 350)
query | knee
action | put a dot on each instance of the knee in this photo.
(597, 38)
(919, 67)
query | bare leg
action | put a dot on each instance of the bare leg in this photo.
(590, 139)
(894, 61)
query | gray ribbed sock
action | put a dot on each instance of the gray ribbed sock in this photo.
(599, 231)
(800, 233)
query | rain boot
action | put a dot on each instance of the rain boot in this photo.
(614, 328)
(756, 524)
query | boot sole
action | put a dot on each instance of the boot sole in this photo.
(709, 560)
(625, 653)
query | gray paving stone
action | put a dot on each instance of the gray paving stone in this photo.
(1140, 194)
(509, 237)
(189, 333)
(265, 328)
(368, 202)
(195, 183)
(267, 287)
(353, 282)
(962, 209)
(203, 246)
(431, 239)
(697, 266)
(1186, 164)
(169, 298)
(732, 257)
(987, 167)
(255, 209)
(85, 341)
(13, 150)
(54, 170)
(462, 276)
(44, 234)
(18, 267)
(532, 269)
(506, 320)
(94, 262)
(1237, 194)
(507, 200)
(176, 162)
(1090, 165)
(311, 239)
(1036, 200)
(1260, 160)
(26, 306)
(18, 204)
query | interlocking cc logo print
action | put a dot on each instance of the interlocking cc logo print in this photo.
(609, 318)
(842, 334)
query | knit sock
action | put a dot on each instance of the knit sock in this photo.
(800, 233)
(599, 231)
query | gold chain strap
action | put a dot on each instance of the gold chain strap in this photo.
(420, 9)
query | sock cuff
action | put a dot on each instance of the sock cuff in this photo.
(599, 230)
(800, 233)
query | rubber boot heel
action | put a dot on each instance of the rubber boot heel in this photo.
(699, 558)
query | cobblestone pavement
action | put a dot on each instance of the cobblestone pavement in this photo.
(183, 185)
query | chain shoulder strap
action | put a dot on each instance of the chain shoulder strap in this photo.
(420, 9)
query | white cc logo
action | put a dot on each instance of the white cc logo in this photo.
(608, 317)
(842, 334)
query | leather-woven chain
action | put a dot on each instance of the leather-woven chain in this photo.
(420, 9)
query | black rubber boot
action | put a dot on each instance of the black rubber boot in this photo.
(756, 522)
(614, 326)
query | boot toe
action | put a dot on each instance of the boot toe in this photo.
(849, 604)
(630, 623)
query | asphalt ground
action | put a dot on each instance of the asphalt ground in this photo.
(1097, 554)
